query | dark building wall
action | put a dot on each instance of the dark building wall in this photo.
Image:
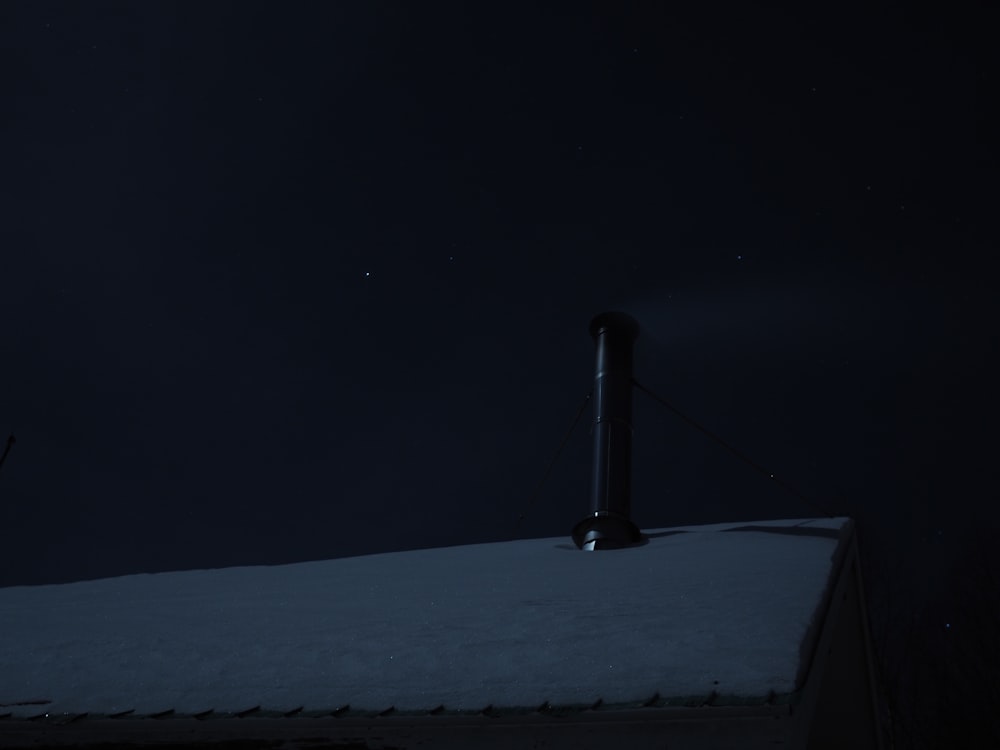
(845, 707)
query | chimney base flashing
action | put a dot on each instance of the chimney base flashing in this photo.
(606, 529)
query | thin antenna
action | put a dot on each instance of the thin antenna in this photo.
(10, 441)
(741, 456)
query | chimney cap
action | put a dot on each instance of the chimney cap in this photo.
(618, 321)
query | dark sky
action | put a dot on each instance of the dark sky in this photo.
(286, 281)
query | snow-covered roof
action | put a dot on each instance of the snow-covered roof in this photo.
(726, 611)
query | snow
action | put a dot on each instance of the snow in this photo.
(709, 608)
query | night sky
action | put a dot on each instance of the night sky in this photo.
(287, 281)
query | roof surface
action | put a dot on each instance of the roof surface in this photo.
(723, 610)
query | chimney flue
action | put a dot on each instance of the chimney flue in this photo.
(608, 526)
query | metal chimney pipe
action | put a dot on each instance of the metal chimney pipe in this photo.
(608, 526)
